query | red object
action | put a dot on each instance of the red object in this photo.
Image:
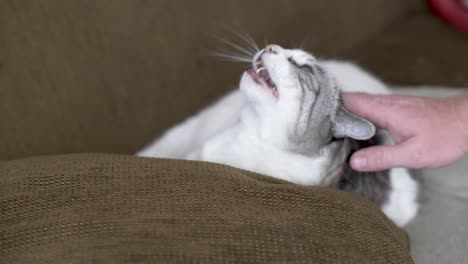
(453, 11)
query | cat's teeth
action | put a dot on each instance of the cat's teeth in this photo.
(260, 69)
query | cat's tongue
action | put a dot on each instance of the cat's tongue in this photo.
(258, 78)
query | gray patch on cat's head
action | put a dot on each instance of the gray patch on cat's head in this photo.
(321, 116)
(317, 103)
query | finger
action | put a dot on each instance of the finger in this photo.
(379, 158)
(375, 108)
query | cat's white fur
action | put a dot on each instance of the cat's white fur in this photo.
(217, 134)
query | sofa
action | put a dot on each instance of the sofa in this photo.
(84, 84)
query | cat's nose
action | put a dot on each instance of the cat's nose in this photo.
(272, 48)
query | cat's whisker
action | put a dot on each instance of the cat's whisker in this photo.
(233, 53)
(252, 43)
(249, 40)
(237, 47)
(232, 57)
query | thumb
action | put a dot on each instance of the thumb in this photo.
(379, 158)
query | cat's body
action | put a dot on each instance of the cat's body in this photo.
(286, 127)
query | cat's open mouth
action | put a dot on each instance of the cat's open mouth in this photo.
(260, 76)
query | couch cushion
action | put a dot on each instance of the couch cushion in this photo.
(123, 209)
(421, 50)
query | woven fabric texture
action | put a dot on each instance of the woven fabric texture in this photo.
(92, 208)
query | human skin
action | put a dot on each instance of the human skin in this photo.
(428, 132)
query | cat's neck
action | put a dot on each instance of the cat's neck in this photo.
(270, 127)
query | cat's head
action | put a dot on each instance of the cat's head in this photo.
(291, 92)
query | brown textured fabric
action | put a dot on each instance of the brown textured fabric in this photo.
(419, 50)
(122, 209)
(109, 75)
(85, 75)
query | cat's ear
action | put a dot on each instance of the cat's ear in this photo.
(349, 125)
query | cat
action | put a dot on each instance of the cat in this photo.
(287, 121)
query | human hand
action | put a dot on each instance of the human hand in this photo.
(428, 132)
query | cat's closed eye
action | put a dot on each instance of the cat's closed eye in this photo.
(293, 62)
(301, 66)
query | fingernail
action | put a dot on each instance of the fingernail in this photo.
(359, 162)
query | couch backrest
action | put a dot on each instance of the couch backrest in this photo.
(108, 76)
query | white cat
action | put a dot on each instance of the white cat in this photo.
(287, 121)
